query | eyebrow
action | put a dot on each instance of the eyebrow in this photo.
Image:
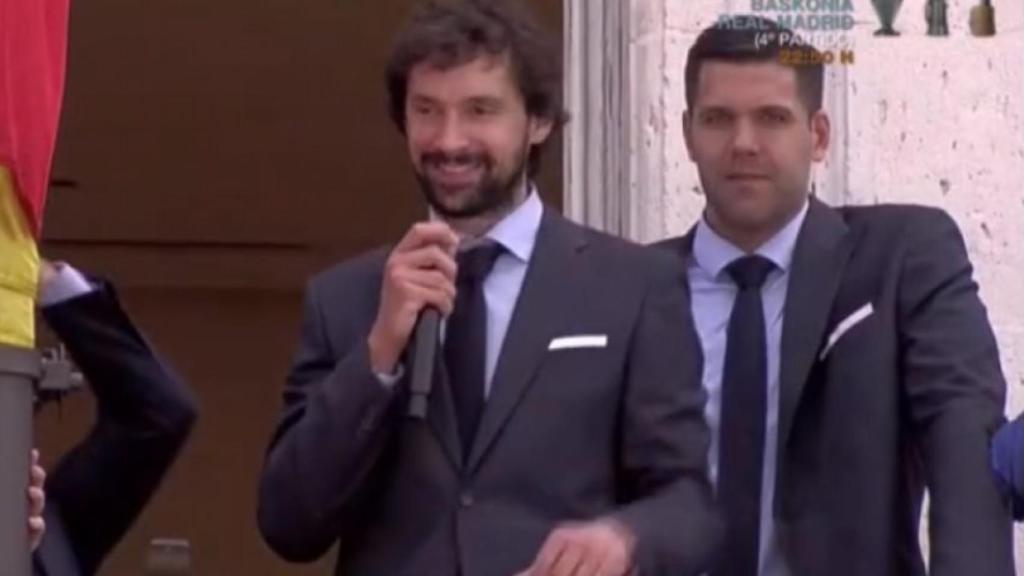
(776, 108)
(705, 110)
(488, 100)
(485, 100)
(721, 109)
(422, 99)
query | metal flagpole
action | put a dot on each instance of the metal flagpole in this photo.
(19, 370)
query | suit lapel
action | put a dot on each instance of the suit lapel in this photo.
(546, 293)
(822, 251)
(681, 246)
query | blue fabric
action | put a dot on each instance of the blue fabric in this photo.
(1008, 463)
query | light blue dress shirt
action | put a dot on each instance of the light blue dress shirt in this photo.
(713, 293)
(517, 233)
(67, 284)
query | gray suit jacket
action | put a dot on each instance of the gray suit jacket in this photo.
(890, 382)
(566, 435)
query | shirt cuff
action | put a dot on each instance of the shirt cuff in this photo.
(389, 380)
(68, 283)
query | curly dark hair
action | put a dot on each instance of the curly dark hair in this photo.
(449, 33)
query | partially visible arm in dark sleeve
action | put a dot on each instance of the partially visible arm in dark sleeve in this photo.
(335, 424)
(956, 392)
(144, 414)
(665, 438)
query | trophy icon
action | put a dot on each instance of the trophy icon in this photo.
(935, 16)
(983, 19)
(886, 10)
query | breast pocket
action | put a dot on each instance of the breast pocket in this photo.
(848, 327)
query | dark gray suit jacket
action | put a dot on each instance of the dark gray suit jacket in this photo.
(566, 435)
(905, 398)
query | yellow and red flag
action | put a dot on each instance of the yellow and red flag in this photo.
(33, 50)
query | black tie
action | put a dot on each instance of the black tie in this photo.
(744, 408)
(465, 339)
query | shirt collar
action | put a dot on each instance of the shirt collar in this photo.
(713, 253)
(517, 231)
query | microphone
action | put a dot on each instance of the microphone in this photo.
(424, 354)
(424, 351)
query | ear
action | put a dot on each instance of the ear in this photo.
(688, 133)
(821, 135)
(540, 128)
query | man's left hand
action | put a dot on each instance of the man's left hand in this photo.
(36, 502)
(599, 548)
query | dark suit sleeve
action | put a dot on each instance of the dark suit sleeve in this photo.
(332, 431)
(143, 416)
(665, 438)
(956, 393)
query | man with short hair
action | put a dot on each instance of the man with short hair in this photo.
(848, 358)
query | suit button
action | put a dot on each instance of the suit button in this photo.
(466, 499)
(367, 424)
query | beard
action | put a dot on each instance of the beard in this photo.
(495, 192)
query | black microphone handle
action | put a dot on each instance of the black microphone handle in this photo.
(424, 354)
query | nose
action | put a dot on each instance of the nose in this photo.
(451, 135)
(745, 138)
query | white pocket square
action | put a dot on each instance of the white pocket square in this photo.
(843, 327)
(581, 341)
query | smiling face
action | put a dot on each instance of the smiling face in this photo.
(753, 141)
(469, 135)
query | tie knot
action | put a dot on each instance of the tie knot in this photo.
(750, 271)
(476, 262)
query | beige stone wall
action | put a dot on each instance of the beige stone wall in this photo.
(936, 121)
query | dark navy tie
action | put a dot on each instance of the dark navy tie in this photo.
(744, 409)
(465, 340)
